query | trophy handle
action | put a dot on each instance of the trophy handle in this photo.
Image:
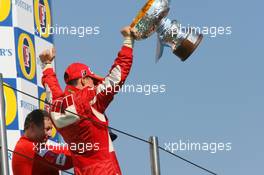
(159, 49)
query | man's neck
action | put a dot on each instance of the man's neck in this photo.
(28, 135)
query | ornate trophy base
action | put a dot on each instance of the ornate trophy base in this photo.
(187, 47)
(153, 18)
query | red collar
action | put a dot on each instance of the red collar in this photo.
(23, 137)
(70, 89)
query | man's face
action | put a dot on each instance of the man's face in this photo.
(87, 82)
(43, 133)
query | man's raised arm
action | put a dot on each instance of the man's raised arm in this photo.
(49, 79)
(117, 75)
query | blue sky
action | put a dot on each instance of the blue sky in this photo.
(215, 96)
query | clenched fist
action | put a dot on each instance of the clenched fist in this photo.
(47, 56)
(127, 32)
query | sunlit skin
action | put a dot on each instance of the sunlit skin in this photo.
(85, 82)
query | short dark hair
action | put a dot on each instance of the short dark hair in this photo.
(72, 82)
(37, 117)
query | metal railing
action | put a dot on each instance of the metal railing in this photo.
(153, 141)
(3, 139)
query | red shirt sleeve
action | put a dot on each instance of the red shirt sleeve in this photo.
(22, 161)
(51, 83)
(59, 157)
(112, 83)
(28, 161)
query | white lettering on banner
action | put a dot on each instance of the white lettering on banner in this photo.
(6, 52)
(22, 4)
(9, 156)
(28, 106)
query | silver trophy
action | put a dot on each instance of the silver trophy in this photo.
(153, 18)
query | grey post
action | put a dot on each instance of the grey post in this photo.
(154, 155)
(3, 139)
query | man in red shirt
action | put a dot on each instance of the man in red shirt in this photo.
(78, 113)
(30, 156)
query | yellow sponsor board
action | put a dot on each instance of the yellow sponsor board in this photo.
(10, 104)
(5, 8)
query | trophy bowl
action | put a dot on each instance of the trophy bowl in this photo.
(153, 18)
(148, 19)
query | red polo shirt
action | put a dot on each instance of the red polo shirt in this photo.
(45, 163)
